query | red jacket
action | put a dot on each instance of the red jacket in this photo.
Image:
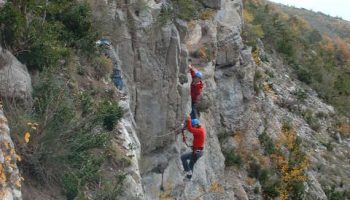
(198, 135)
(196, 89)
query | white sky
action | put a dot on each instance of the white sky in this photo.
(335, 8)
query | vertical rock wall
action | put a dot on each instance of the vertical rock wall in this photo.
(154, 61)
(10, 179)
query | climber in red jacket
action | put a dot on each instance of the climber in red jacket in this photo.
(196, 90)
(194, 127)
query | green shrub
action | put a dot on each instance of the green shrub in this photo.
(70, 185)
(231, 158)
(251, 33)
(223, 135)
(301, 95)
(51, 33)
(83, 166)
(112, 189)
(68, 150)
(77, 20)
(264, 176)
(45, 49)
(12, 23)
(304, 75)
(109, 113)
(166, 15)
(103, 66)
(187, 9)
(298, 190)
(311, 120)
(267, 143)
(342, 85)
(333, 194)
(321, 115)
(52, 102)
(270, 189)
(287, 125)
(256, 190)
(270, 73)
(256, 171)
(286, 47)
(90, 168)
(83, 141)
(257, 76)
(86, 103)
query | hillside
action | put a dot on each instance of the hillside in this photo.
(95, 95)
(323, 23)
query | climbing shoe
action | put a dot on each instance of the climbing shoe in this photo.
(189, 175)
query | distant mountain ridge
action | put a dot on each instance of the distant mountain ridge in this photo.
(324, 23)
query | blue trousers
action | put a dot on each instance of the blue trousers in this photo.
(194, 112)
(117, 79)
(189, 159)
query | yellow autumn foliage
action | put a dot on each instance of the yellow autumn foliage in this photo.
(2, 175)
(203, 53)
(291, 167)
(256, 57)
(207, 14)
(18, 157)
(247, 16)
(26, 137)
(268, 88)
(216, 188)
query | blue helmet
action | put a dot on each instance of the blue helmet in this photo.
(195, 122)
(198, 74)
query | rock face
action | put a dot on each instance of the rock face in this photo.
(236, 104)
(215, 4)
(2, 3)
(10, 179)
(15, 81)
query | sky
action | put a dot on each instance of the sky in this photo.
(335, 8)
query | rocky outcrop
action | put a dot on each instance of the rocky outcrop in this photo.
(2, 3)
(215, 4)
(10, 179)
(15, 81)
(236, 103)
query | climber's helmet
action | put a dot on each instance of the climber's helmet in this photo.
(198, 74)
(195, 122)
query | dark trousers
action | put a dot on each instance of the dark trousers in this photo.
(189, 159)
(194, 112)
(117, 78)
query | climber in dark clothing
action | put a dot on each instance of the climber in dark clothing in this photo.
(117, 78)
(189, 159)
(196, 90)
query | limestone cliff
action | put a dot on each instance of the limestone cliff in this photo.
(9, 174)
(258, 117)
(15, 84)
(154, 63)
